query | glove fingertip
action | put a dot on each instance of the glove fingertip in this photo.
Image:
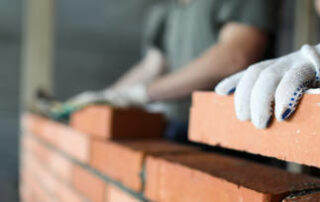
(242, 116)
(232, 90)
(262, 123)
(285, 113)
(221, 90)
(287, 108)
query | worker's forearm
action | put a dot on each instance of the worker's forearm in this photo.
(134, 75)
(203, 73)
(149, 68)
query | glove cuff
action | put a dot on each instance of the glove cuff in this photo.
(311, 53)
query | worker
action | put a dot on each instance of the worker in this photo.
(191, 45)
(274, 86)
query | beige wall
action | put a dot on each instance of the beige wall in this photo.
(37, 49)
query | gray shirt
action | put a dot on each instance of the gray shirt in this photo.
(184, 31)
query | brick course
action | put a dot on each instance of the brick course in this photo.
(212, 177)
(213, 121)
(59, 135)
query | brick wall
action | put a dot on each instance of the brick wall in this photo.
(77, 162)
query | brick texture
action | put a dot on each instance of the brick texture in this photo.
(123, 160)
(31, 191)
(88, 184)
(213, 121)
(104, 122)
(59, 135)
(115, 194)
(211, 177)
(55, 162)
(42, 183)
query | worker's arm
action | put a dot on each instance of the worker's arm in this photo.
(317, 5)
(239, 45)
(151, 66)
(145, 71)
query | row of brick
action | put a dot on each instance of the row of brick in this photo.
(98, 122)
(163, 171)
(213, 122)
(48, 187)
(41, 174)
(212, 177)
(101, 154)
(63, 137)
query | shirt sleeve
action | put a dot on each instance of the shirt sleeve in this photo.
(155, 27)
(262, 14)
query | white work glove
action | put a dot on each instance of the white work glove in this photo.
(280, 81)
(130, 96)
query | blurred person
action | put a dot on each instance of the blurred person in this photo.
(191, 45)
(278, 83)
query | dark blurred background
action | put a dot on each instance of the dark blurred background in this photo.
(95, 41)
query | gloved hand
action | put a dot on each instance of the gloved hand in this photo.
(130, 96)
(280, 82)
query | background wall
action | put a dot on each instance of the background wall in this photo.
(10, 16)
(96, 41)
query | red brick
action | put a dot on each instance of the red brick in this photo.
(40, 126)
(213, 121)
(38, 194)
(56, 163)
(115, 194)
(123, 160)
(104, 122)
(46, 179)
(25, 186)
(47, 182)
(311, 197)
(52, 161)
(88, 184)
(212, 177)
(59, 135)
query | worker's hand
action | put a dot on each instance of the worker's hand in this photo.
(135, 95)
(282, 80)
(131, 96)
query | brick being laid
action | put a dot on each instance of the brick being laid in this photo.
(208, 177)
(104, 122)
(213, 122)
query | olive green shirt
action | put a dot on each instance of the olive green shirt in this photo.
(183, 31)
